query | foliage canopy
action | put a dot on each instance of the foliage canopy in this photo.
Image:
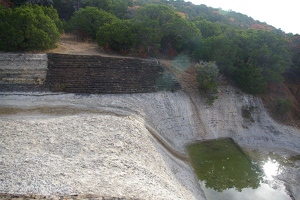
(29, 27)
(86, 22)
(207, 78)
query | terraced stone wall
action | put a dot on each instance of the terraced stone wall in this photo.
(22, 71)
(82, 74)
(96, 74)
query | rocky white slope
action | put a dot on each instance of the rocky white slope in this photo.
(125, 145)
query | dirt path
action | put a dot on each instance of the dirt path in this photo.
(68, 44)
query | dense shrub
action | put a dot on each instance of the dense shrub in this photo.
(119, 36)
(86, 22)
(283, 106)
(29, 27)
(251, 58)
(208, 73)
(207, 79)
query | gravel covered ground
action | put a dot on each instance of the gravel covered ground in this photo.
(60, 145)
(88, 154)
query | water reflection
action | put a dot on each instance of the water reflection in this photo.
(221, 164)
(271, 168)
(226, 172)
(263, 192)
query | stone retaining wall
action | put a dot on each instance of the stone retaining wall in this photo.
(96, 74)
(22, 71)
(83, 74)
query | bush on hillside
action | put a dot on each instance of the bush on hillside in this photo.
(283, 106)
(207, 79)
(118, 36)
(86, 22)
(29, 27)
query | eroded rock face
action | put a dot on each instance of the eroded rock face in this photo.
(244, 118)
(291, 177)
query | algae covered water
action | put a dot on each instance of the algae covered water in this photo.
(226, 172)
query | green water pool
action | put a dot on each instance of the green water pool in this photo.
(225, 171)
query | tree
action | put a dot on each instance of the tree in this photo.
(120, 36)
(283, 106)
(250, 79)
(116, 7)
(86, 22)
(272, 56)
(252, 58)
(219, 48)
(154, 17)
(208, 74)
(28, 27)
(164, 29)
(207, 28)
(52, 13)
(207, 79)
(19, 2)
(67, 8)
(41, 2)
(6, 3)
(180, 35)
(294, 49)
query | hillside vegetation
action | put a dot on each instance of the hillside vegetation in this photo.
(254, 55)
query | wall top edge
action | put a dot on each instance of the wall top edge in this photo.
(22, 56)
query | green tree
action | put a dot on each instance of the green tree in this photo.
(67, 8)
(294, 49)
(53, 14)
(116, 7)
(27, 27)
(153, 17)
(160, 14)
(208, 74)
(250, 79)
(207, 28)
(180, 35)
(86, 22)
(270, 51)
(219, 48)
(251, 58)
(41, 2)
(163, 29)
(207, 79)
(120, 36)
(283, 106)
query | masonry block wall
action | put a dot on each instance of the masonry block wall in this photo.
(82, 74)
(26, 72)
(96, 74)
